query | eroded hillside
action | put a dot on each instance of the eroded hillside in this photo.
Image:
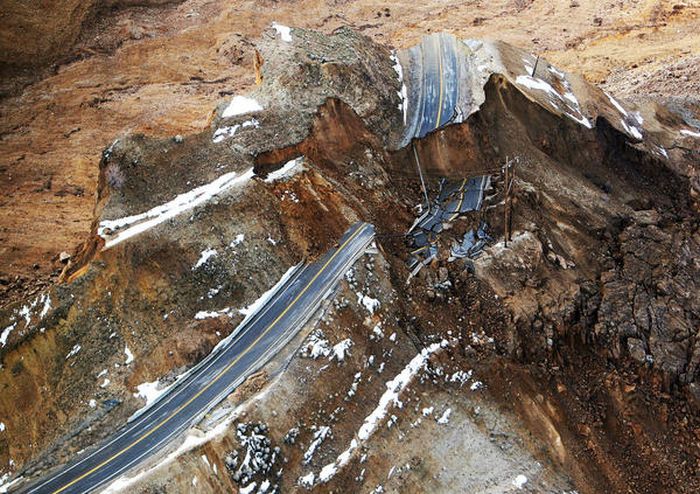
(445, 360)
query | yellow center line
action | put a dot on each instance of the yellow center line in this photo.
(439, 114)
(213, 381)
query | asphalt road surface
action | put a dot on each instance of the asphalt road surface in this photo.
(437, 85)
(253, 343)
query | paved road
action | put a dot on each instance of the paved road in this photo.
(436, 74)
(256, 340)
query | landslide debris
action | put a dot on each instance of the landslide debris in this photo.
(569, 356)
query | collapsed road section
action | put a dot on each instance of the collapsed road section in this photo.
(454, 199)
(290, 304)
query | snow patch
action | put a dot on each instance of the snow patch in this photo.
(240, 105)
(6, 333)
(73, 351)
(445, 417)
(226, 132)
(205, 255)
(569, 98)
(204, 314)
(129, 356)
(289, 169)
(690, 133)
(369, 303)
(284, 32)
(317, 346)
(403, 93)
(341, 350)
(248, 489)
(631, 130)
(238, 240)
(520, 481)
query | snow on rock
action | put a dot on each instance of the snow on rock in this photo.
(476, 385)
(690, 133)
(92, 403)
(6, 333)
(631, 130)
(284, 32)
(46, 298)
(229, 131)
(240, 105)
(520, 481)
(205, 255)
(205, 314)
(445, 417)
(73, 351)
(238, 240)
(316, 346)
(289, 169)
(5, 482)
(319, 436)
(536, 83)
(461, 377)
(307, 480)
(369, 303)
(341, 350)
(403, 94)
(617, 105)
(428, 411)
(129, 356)
(248, 489)
(568, 97)
(118, 230)
(373, 420)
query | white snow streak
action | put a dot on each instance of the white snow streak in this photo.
(290, 168)
(372, 421)
(6, 333)
(139, 223)
(74, 351)
(403, 94)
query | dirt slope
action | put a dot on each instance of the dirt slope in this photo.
(160, 69)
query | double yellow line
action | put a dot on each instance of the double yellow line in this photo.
(218, 376)
(439, 50)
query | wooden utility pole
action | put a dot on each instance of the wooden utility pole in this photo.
(506, 232)
(507, 200)
(420, 174)
(534, 69)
